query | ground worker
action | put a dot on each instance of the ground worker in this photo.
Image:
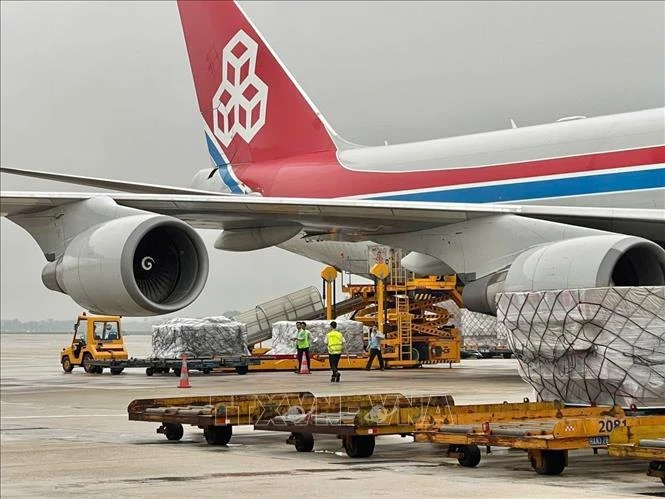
(335, 341)
(375, 338)
(303, 341)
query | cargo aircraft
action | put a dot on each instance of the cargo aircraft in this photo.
(572, 204)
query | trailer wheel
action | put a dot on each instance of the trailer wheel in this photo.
(242, 369)
(173, 431)
(98, 369)
(67, 365)
(469, 455)
(218, 435)
(176, 371)
(507, 355)
(359, 445)
(116, 370)
(553, 462)
(149, 371)
(87, 358)
(304, 442)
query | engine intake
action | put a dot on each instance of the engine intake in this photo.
(583, 262)
(135, 265)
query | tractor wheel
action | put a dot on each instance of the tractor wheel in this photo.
(304, 442)
(98, 370)
(242, 369)
(116, 370)
(470, 456)
(359, 445)
(174, 431)
(67, 365)
(87, 358)
(149, 371)
(218, 435)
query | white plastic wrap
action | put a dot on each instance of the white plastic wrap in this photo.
(600, 345)
(208, 337)
(284, 333)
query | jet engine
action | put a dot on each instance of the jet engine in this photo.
(583, 262)
(134, 265)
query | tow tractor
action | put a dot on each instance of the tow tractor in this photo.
(96, 337)
(98, 343)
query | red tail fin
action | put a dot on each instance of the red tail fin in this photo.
(253, 108)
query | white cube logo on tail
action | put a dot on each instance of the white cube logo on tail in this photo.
(240, 101)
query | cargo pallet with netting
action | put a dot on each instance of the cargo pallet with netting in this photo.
(355, 419)
(546, 430)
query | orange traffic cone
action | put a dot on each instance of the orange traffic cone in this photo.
(304, 367)
(184, 374)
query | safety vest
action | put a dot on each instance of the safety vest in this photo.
(303, 339)
(335, 341)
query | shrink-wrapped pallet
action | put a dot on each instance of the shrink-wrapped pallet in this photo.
(208, 337)
(583, 346)
(284, 334)
(475, 328)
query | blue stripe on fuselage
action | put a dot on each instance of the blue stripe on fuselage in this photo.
(223, 167)
(559, 187)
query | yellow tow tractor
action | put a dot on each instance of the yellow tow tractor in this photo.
(96, 338)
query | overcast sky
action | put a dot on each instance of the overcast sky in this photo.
(104, 89)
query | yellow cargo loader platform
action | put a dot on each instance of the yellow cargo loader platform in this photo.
(405, 309)
(356, 419)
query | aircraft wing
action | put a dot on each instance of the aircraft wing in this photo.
(352, 217)
(103, 183)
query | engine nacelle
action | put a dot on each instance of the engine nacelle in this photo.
(583, 262)
(134, 265)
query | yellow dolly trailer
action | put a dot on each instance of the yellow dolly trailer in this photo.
(547, 430)
(215, 415)
(646, 441)
(357, 419)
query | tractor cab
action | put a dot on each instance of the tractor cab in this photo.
(96, 337)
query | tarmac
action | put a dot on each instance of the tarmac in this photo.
(69, 434)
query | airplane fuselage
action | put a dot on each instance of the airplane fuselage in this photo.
(610, 161)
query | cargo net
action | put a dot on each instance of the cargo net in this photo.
(201, 338)
(284, 336)
(586, 346)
